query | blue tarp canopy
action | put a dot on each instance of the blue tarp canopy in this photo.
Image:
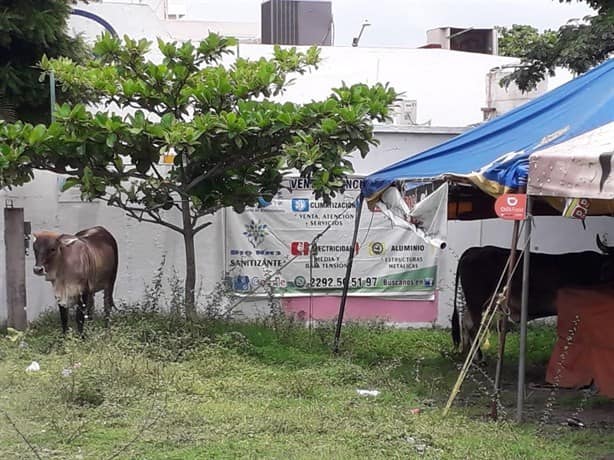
(495, 155)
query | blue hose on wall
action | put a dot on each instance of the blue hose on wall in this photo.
(96, 18)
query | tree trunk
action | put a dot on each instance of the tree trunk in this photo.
(190, 261)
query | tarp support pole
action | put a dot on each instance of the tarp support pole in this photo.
(524, 310)
(348, 273)
(503, 320)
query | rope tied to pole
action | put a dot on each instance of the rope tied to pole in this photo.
(487, 318)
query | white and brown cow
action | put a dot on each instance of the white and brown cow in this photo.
(78, 266)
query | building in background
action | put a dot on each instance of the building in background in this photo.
(467, 39)
(297, 22)
(167, 19)
(174, 9)
(500, 99)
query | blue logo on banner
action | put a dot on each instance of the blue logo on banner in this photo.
(262, 203)
(300, 204)
(241, 283)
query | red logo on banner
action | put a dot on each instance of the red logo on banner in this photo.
(511, 206)
(299, 248)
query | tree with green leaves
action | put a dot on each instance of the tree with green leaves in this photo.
(30, 29)
(577, 46)
(231, 138)
(516, 40)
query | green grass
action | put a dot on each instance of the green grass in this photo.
(153, 387)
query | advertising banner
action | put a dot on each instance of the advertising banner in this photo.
(299, 246)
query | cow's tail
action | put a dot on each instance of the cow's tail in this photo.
(456, 332)
(115, 268)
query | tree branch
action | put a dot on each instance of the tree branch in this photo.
(56, 170)
(157, 173)
(168, 184)
(203, 212)
(144, 427)
(222, 165)
(137, 213)
(177, 109)
(153, 220)
(201, 226)
(29, 444)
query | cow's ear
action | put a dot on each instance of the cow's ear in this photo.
(35, 236)
(67, 241)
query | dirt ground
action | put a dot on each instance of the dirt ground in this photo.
(559, 405)
(590, 409)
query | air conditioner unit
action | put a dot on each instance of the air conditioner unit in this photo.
(404, 112)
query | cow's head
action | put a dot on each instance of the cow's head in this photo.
(47, 248)
(607, 267)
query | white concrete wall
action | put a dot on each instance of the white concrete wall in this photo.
(141, 245)
(449, 86)
(132, 19)
(139, 20)
(396, 145)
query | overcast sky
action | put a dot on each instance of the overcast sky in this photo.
(404, 22)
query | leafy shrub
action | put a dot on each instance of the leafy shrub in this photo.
(234, 340)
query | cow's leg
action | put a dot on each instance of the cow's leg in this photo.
(108, 303)
(471, 325)
(479, 356)
(81, 308)
(467, 330)
(63, 318)
(90, 306)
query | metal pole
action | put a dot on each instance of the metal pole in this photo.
(503, 320)
(348, 272)
(524, 312)
(52, 94)
(313, 253)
